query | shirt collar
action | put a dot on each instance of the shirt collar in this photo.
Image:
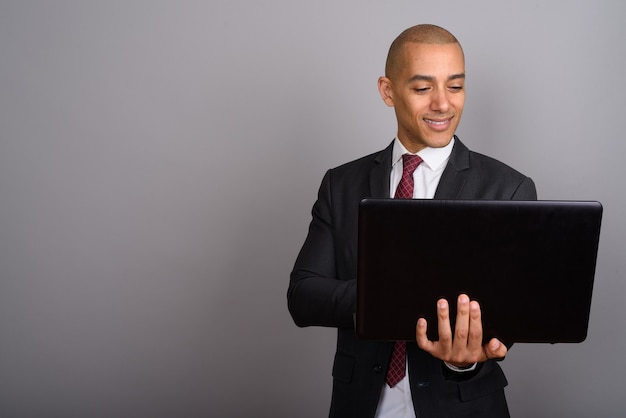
(433, 157)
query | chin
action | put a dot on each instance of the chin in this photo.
(440, 143)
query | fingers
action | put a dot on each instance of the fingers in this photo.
(475, 336)
(467, 344)
(461, 330)
(468, 330)
(443, 323)
(443, 346)
(464, 347)
(495, 349)
(420, 335)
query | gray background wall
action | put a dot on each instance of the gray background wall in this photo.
(159, 159)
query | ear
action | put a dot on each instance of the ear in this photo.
(385, 90)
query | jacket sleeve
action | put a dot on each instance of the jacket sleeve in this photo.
(526, 190)
(316, 296)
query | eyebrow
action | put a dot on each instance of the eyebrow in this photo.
(419, 77)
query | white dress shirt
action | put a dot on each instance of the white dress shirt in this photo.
(396, 402)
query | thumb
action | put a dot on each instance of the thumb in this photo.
(495, 349)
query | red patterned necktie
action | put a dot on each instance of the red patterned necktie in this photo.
(397, 364)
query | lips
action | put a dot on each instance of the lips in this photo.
(438, 124)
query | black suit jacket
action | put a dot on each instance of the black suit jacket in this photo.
(322, 289)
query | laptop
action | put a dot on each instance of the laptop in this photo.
(530, 265)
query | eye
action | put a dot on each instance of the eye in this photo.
(421, 90)
(456, 88)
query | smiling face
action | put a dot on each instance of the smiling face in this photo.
(427, 92)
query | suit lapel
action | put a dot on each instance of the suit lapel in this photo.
(379, 175)
(455, 174)
(452, 180)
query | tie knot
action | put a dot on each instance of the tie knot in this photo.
(410, 163)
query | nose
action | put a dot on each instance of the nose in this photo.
(440, 101)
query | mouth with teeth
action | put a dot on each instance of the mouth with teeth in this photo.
(438, 124)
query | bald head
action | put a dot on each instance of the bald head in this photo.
(421, 34)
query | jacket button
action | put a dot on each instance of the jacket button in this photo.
(377, 369)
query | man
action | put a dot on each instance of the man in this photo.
(456, 376)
